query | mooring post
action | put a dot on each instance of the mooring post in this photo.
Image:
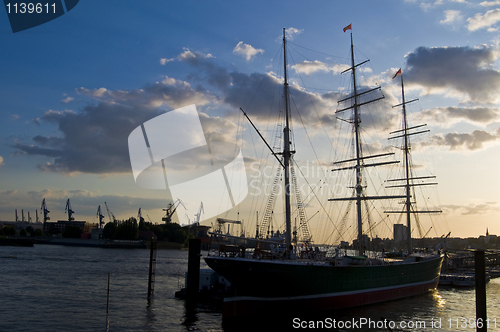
(480, 271)
(152, 268)
(193, 282)
(107, 305)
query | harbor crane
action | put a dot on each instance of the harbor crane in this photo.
(109, 213)
(139, 216)
(101, 217)
(69, 211)
(197, 216)
(45, 211)
(170, 210)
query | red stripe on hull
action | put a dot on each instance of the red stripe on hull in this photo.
(243, 307)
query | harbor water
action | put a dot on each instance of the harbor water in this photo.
(59, 288)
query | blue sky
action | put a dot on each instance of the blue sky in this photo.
(73, 89)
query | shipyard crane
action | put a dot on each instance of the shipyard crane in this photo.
(100, 216)
(109, 213)
(139, 216)
(170, 210)
(197, 216)
(69, 211)
(45, 211)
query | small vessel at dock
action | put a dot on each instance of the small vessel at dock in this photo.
(17, 242)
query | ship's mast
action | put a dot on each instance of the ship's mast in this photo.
(284, 162)
(286, 158)
(407, 169)
(408, 180)
(359, 159)
(359, 187)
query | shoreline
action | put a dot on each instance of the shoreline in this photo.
(107, 244)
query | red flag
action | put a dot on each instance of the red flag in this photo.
(347, 28)
(397, 74)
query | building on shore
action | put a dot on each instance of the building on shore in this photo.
(60, 226)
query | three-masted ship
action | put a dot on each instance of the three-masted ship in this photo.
(261, 284)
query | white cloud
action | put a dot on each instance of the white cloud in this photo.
(311, 67)
(95, 93)
(480, 21)
(464, 141)
(164, 61)
(246, 50)
(471, 209)
(451, 17)
(292, 32)
(1, 161)
(169, 92)
(67, 100)
(431, 4)
(447, 116)
(188, 55)
(490, 3)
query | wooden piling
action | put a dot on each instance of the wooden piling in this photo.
(480, 271)
(193, 282)
(107, 305)
(152, 269)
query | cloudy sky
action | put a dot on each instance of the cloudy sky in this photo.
(74, 89)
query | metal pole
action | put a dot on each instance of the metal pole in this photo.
(479, 265)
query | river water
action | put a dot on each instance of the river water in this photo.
(58, 288)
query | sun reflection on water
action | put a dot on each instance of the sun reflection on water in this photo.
(439, 301)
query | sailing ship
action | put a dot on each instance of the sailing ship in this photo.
(263, 283)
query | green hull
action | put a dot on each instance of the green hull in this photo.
(322, 286)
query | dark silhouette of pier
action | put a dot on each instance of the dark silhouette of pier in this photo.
(465, 259)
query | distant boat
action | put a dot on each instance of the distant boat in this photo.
(285, 278)
(464, 280)
(17, 242)
(446, 279)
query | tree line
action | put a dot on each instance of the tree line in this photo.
(129, 230)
